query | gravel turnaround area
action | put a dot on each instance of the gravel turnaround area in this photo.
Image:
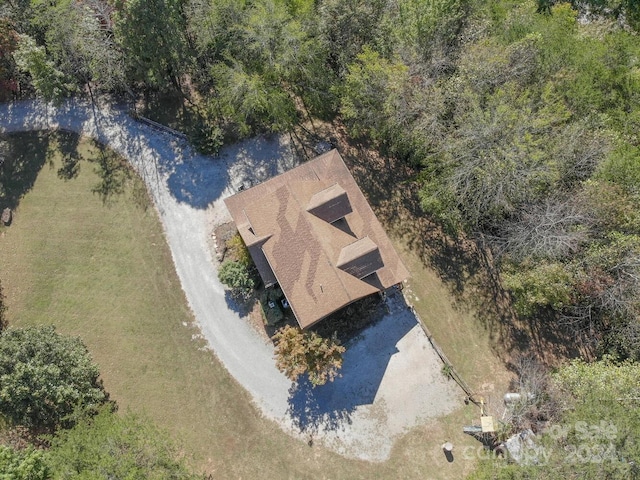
(391, 378)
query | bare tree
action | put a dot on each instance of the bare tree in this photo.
(620, 302)
(552, 229)
(534, 403)
(580, 147)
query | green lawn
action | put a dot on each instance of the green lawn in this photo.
(104, 272)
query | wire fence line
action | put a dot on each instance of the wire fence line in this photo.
(157, 126)
(450, 369)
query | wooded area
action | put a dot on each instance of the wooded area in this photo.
(520, 119)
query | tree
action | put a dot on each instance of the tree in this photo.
(46, 379)
(496, 160)
(552, 229)
(80, 40)
(236, 275)
(47, 80)
(596, 435)
(538, 287)
(421, 28)
(267, 69)
(622, 168)
(610, 284)
(299, 352)
(8, 71)
(152, 34)
(28, 464)
(371, 94)
(627, 11)
(348, 25)
(112, 446)
(538, 403)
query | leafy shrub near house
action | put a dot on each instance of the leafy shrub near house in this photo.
(238, 277)
(238, 251)
(299, 352)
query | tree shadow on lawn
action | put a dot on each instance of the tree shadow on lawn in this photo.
(329, 407)
(21, 159)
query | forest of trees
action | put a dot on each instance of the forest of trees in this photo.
(520, 117)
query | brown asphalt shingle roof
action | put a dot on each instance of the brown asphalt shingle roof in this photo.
(321, 266)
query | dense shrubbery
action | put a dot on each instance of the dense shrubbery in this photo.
(237, 276)
(115, 446)
(595, 435)
(238, 272)
(522, 120)
(49, 385)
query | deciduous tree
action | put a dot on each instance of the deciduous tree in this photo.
(152, 34)
(46, 378)
(80, 40)
(299, 353)
(47, 80)
(28, 464)
(371, 94)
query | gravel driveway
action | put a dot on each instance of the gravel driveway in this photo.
(391, 377)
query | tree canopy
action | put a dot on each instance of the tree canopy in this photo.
(596, 434)
(518, 121)
(305, 352)
(237, 277)
(46, 379)
(109, 445)
(28, 464)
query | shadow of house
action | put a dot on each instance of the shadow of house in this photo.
(328, 407)
(201, 180)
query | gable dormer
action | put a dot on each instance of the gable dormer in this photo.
(330, 204)
(360, 258)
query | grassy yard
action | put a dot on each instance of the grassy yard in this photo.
(104, 272)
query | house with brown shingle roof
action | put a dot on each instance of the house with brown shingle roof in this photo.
(311, 231)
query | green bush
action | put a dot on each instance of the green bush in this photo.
(237, 277)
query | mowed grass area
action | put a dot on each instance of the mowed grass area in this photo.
(470, 345)
(104, 273)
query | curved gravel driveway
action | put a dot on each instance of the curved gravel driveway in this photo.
(391, 377)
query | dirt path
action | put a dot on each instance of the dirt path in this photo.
(391, 376)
